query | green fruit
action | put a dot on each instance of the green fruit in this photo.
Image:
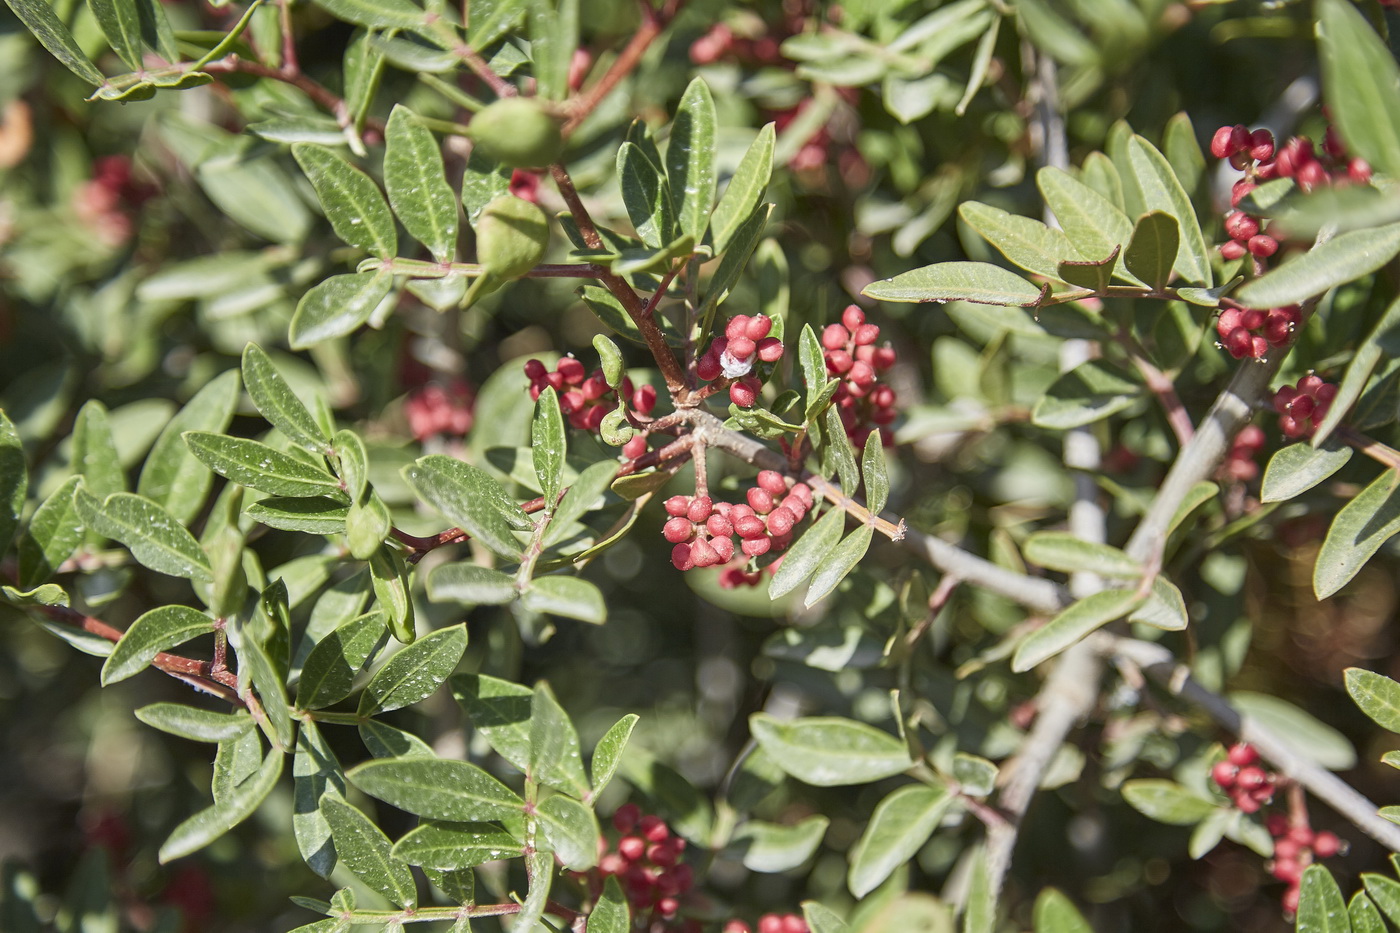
(517, 132)
(511, 237)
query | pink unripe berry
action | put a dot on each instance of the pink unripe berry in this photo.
(756, 547)
(1359, 171)
(1220, 142)
(700, 509)
(852, 317)
(1232, 250)
(736, 926)
(668, 906)
(718, 526)
(681, 558)
(1263, 246)
(772, 481)
(1311, 175)
(1247, 804)
(704, 553)
(750, 526)
(724, 547)
(678, 530)
(1291, 897)
(834, 336)
(760, 500)
(883, 358)
(1291, 426)
(794, 505)
(1261, 145)
(866, 334)
(770, 349)
(631, 848)
(743, 393)
(1326, 844)
(838, 362)
(862, 374)
(1240, 226)
(780, 521)
(1287, 870)
(741, 347)
(758, 327)
(1224, 774)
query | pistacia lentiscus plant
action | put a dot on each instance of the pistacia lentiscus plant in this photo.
(659, 466)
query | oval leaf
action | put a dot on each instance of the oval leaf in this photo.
(152, 633)
(454, 791)
(978, 282)
(337, 306)
(830, 751)
(1071, 625)
(898, 828)
(414, 673)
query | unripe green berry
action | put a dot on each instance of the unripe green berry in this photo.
(511, 237)
(517, 132)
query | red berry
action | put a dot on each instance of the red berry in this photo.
(1220, 143)
(1224, 774)
(770, 349)
(644, 399)
(1326, 844)
(1242, 754)
(741, 348)
(834, 336)
(758, 327)
(1310, 384)
(743, 393)
(655, 829)
(1240, 226)
(700, 509)
(781, 521)
(1290, 900)
(1276, 824)
(852, 317)
(626, 817)
(680, 557)
(677, 505)
(572, 370)
(631, 848)
(737, 327)
(678, 530)
(1252, 319)
(1258, 347)
(838, 362)
(1263, 246)
(724, 547)
(760, 500)
(1287, 870)
(709, 367)
(866, 334)
(535, 370)
(773, 482)
(1359, 171)
(756, 547)
(1261, 145)
(750, 526)
(1232, 250)
(1311, 175)
(1241, 188)
(718, 526)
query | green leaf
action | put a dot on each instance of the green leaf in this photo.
(1304, 733)
(554, 35)
(1359, 84)
(1028, 243)
(607, 754)
(875, 472)
(259, 466)
(351, 201)
(610, 913)
(471, 584)
(367, 852)
(416, 672)
(570, 597)
(209, 824)
(1162, 191)
(548, 446)
(821, 919)
(1055, 913)
(976, 776)
(572, 831)
(808, 553)
(1095, 225)
(1385, 892)
(690, 158)
(583, 494)
(383, 14)
(903, 913)
(978, 282)
(471, 499)
(384, 741)
(841, 561)
(40, 19)
(500, 711)
(388, 575)
(735, 258)
(315, 770)
(328, 675)
(1167, 802)
(417, 184)
(1072, 624)
(316, 515)
(1295, 469)
(197, 725)
(173, 476)
(1380, 345)
(337, 306)
(744, 191)
(278, 403)
(95, 451)
(539, 867)
(1360, 528)
(1165, 607)
(1152, 251)
(454, 791)
(555, 759)
(1094, 275)
(55, 531)
(830, 751)
(1377, 695)
(670, 795)
(1344, 258)
(14, 481)
(769, 847)
(1320, 905)
(453, 846)
(646, 195)
(1062, 551)
(981, 65)
(1090, 392)
(1365, 918)
(152, 535)
(367, 525)
(152, 633)
(898, 828)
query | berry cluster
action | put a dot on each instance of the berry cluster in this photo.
(1295, 848)
(1239, 465)
(1249, 332)
(1302, 408)
(1239, 775)
(435, 409)
(703, 530)
(770, 923)
(646, 861)
(586, 399)
(732, 356)
(864, 403)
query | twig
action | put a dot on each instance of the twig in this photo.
(1159, 664)
(482, 70)
(1161, 385)
(1381, 453)
(652, 24)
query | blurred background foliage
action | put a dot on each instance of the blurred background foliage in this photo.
(143, 244)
